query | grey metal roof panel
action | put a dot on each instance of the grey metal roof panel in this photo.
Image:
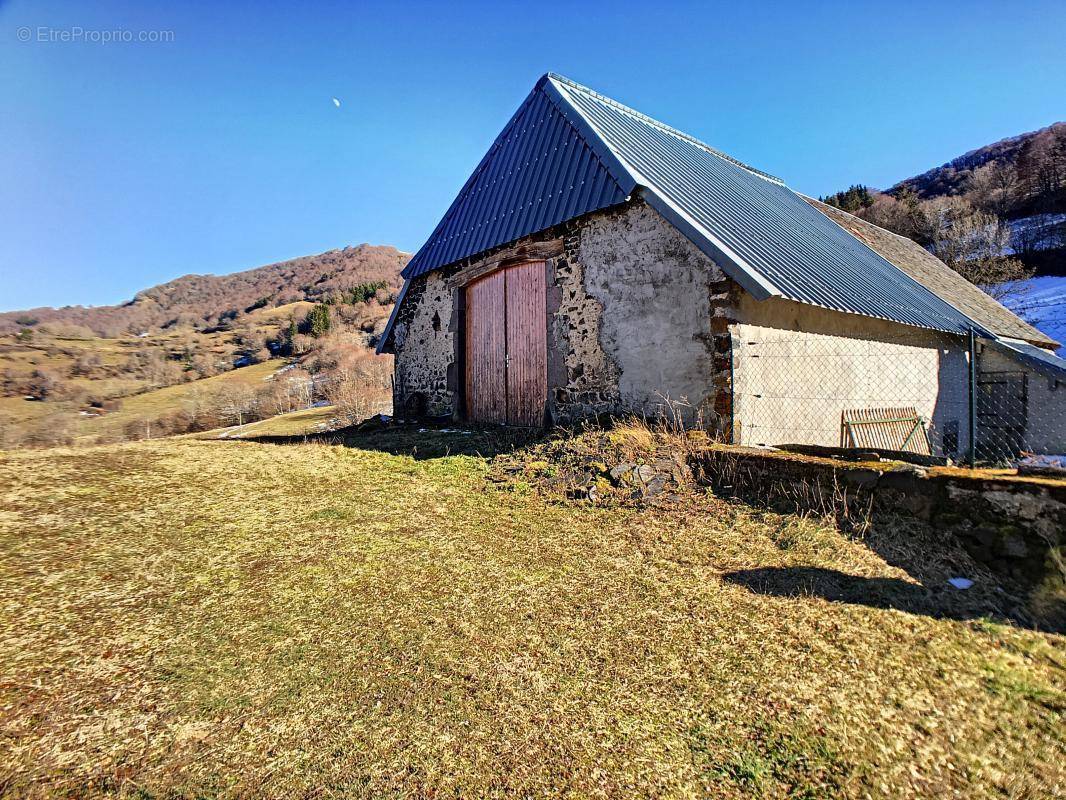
(1038, 358)
(539, 172)
(568, 151)
(777, 243)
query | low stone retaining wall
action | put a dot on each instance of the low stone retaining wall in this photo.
(1016, 526)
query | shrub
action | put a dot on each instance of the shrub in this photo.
(11, 383)
(54, 430)
(137, 429)
(359, 384)
(318, 321)
(11, 433)
(44, 385)
(63, 330)
(260, 355)
(86, 365)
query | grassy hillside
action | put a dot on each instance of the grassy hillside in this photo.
(190, 618)
(131, 387)
(296, 423)
(155, 404)
(98, 374)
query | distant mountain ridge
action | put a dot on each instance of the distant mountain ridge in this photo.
(1017, 185)
(1037, 156)
(198, 301)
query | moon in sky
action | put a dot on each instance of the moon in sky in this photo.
(336, 102)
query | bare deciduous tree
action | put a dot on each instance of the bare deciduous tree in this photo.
(976, 244)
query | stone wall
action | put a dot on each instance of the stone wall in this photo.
(425, 349)
(1014, 526)
(635, 322)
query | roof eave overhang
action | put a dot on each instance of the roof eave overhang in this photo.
(1009, 346)
(385, 342)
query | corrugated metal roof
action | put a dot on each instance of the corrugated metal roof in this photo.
(776, 243)
(1037, 357)
(936, 276)
(539, 172)
(568, 151)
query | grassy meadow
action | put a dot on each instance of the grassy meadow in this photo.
(190, 618)
(153, 404)
(304, 422)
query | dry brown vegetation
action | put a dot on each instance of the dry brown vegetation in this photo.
(147, 368)
(210, 619)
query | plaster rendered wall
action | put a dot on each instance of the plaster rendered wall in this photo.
(798, 367)
(654, 290)
(1045, 423)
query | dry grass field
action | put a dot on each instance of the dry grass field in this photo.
(305, 422)
(153, 404)
(188, 618)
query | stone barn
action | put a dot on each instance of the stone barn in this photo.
(600, 262)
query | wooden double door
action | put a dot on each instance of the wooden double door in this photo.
(506, 346)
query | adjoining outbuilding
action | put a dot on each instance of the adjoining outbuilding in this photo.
(600, 262)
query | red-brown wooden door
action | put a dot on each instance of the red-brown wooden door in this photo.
(506, 346)
(486, 350)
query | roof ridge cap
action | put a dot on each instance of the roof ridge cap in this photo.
(554, 76)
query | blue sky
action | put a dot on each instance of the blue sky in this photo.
(125, 164)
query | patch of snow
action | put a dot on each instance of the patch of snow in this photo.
(1044, 304)
(277, 372)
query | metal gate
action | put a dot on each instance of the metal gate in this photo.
(1002, 414)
